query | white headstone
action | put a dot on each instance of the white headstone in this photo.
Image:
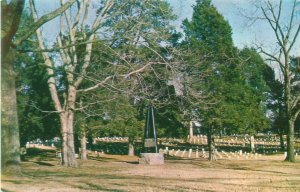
(190, 153)
(166, 150)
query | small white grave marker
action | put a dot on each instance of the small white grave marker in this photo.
(190, 153)
(166, 150)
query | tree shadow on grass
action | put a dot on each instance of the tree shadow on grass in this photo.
(111, 159)
(43, 163)
(13, 181)
(132, 162)
(99, 187)
(89, 186)
(5, 190)
(101, 159)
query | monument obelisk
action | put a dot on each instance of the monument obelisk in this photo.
(150, 155)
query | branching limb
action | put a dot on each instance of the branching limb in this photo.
(48, 63)
(39, 22)
(88, 50)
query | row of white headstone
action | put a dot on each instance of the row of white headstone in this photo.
(32, 145)
(239, 140)
(218, 155)
(111, 139)
(199, 141)
(221, 142)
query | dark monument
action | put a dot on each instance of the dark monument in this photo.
(150, 136)
(150, 155)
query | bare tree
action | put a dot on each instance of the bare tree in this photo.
(69, 57)
(286, 35)
(10, 18)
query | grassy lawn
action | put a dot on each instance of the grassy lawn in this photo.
(42, 172)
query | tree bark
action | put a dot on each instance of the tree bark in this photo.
(64, 135)
(10, 144)
(210, 144)
(68, 147)
(130, 148)
(281, 138)
(288, 104)
(281, 128)
(70, 151)
(83, 146)
(191, 131)
(290, 142)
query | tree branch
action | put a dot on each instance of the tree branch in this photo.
(11, 15)
(51, 80)
(272, 26)
(281, 65)
(84, 19)
(55, 48)
(100, 84)
(88, 49)
(296, 102)
(38, 23)
(294, 39)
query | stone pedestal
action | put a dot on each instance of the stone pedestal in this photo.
(152, 158)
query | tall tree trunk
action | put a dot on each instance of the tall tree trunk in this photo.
(210, 144)
(281, 137)
(282, 118)
(130, 148)
(83, 145)
(10, 144)
(67, 129)
(288, 104)
(252, 144)
(290, 142)
(191, 132)
(68, 147)
(70, 151)
(64, 133)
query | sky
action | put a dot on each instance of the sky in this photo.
(245, 32)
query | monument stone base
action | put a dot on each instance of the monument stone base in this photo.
(152, 158)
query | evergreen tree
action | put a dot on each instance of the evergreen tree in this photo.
(225, 86)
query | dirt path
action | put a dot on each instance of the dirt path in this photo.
(122, 173)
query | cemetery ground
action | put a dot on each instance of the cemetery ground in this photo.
(105, 172)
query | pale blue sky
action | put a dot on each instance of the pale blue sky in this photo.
(245, 32)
